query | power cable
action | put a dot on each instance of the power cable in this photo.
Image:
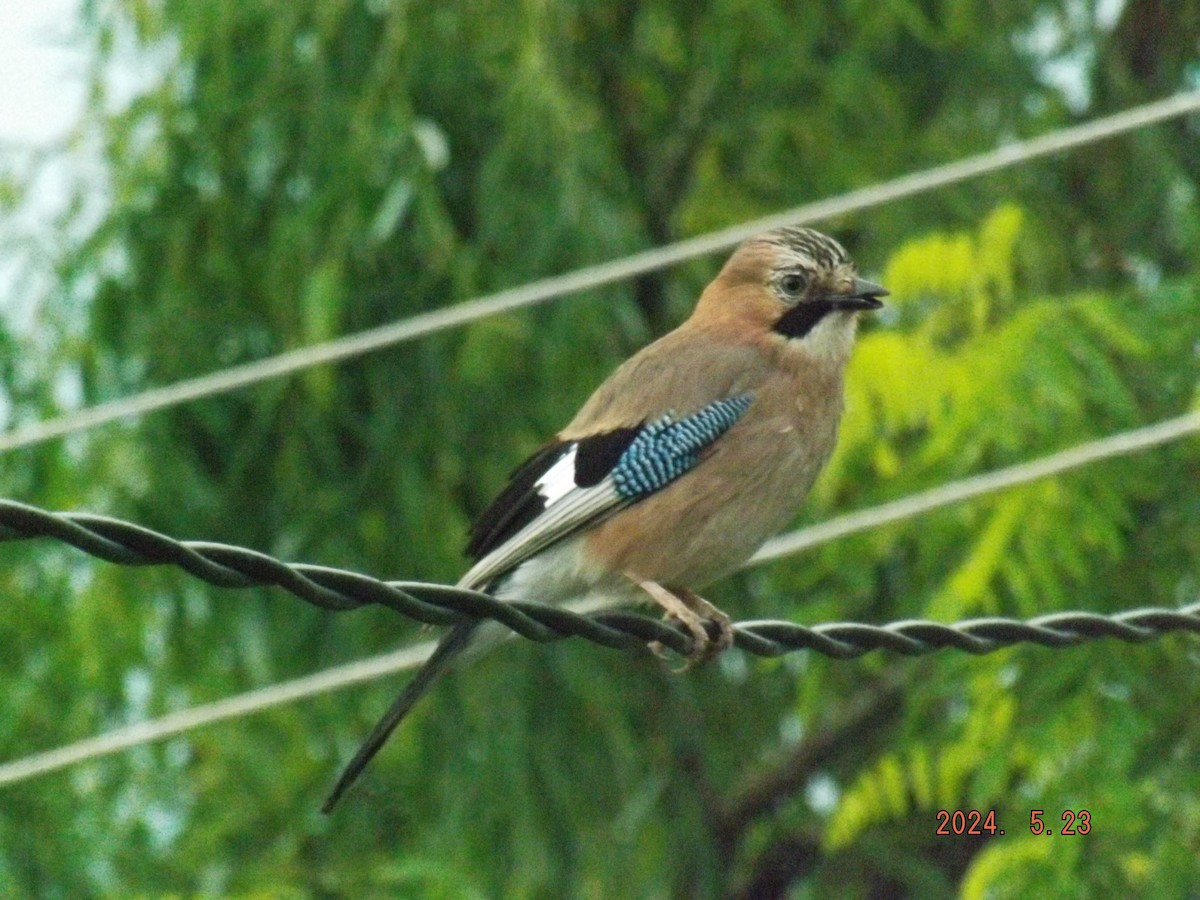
(236, 567)
(343, 348)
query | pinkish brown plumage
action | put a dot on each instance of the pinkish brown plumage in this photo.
(682, 463)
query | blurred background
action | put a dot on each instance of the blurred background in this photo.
(187, 185)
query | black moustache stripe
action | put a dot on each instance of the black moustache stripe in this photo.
(803, 318)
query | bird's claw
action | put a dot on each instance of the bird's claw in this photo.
(699, 617)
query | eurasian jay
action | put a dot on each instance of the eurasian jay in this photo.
(693, 452)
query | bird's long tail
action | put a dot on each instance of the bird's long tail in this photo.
(444, 655)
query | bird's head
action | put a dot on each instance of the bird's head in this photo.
(794, 287)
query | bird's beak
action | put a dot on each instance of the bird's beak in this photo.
(863, 295)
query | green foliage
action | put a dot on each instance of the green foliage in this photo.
(976, 409)
(300, 171)
(927, 780)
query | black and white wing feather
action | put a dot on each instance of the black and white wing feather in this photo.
(562, 489)
(570, 485)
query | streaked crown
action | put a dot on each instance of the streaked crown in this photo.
(808, 248)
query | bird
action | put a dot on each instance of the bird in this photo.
(693, 453)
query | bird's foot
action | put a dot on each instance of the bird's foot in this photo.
(694, 613)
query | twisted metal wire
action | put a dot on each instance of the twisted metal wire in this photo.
(339, 590)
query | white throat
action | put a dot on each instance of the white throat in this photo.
(829, 342)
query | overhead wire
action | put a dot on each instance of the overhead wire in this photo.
(1123, 443)
(1120, 444)
(338, 349)
(236, 377)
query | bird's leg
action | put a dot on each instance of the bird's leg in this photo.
(709, 613)
(692, 610)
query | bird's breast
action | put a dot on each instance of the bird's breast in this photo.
(746, 488)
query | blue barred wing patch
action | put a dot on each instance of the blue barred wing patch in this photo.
(667, 448)
(611, 471)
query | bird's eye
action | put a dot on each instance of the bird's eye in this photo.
(793, 284)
